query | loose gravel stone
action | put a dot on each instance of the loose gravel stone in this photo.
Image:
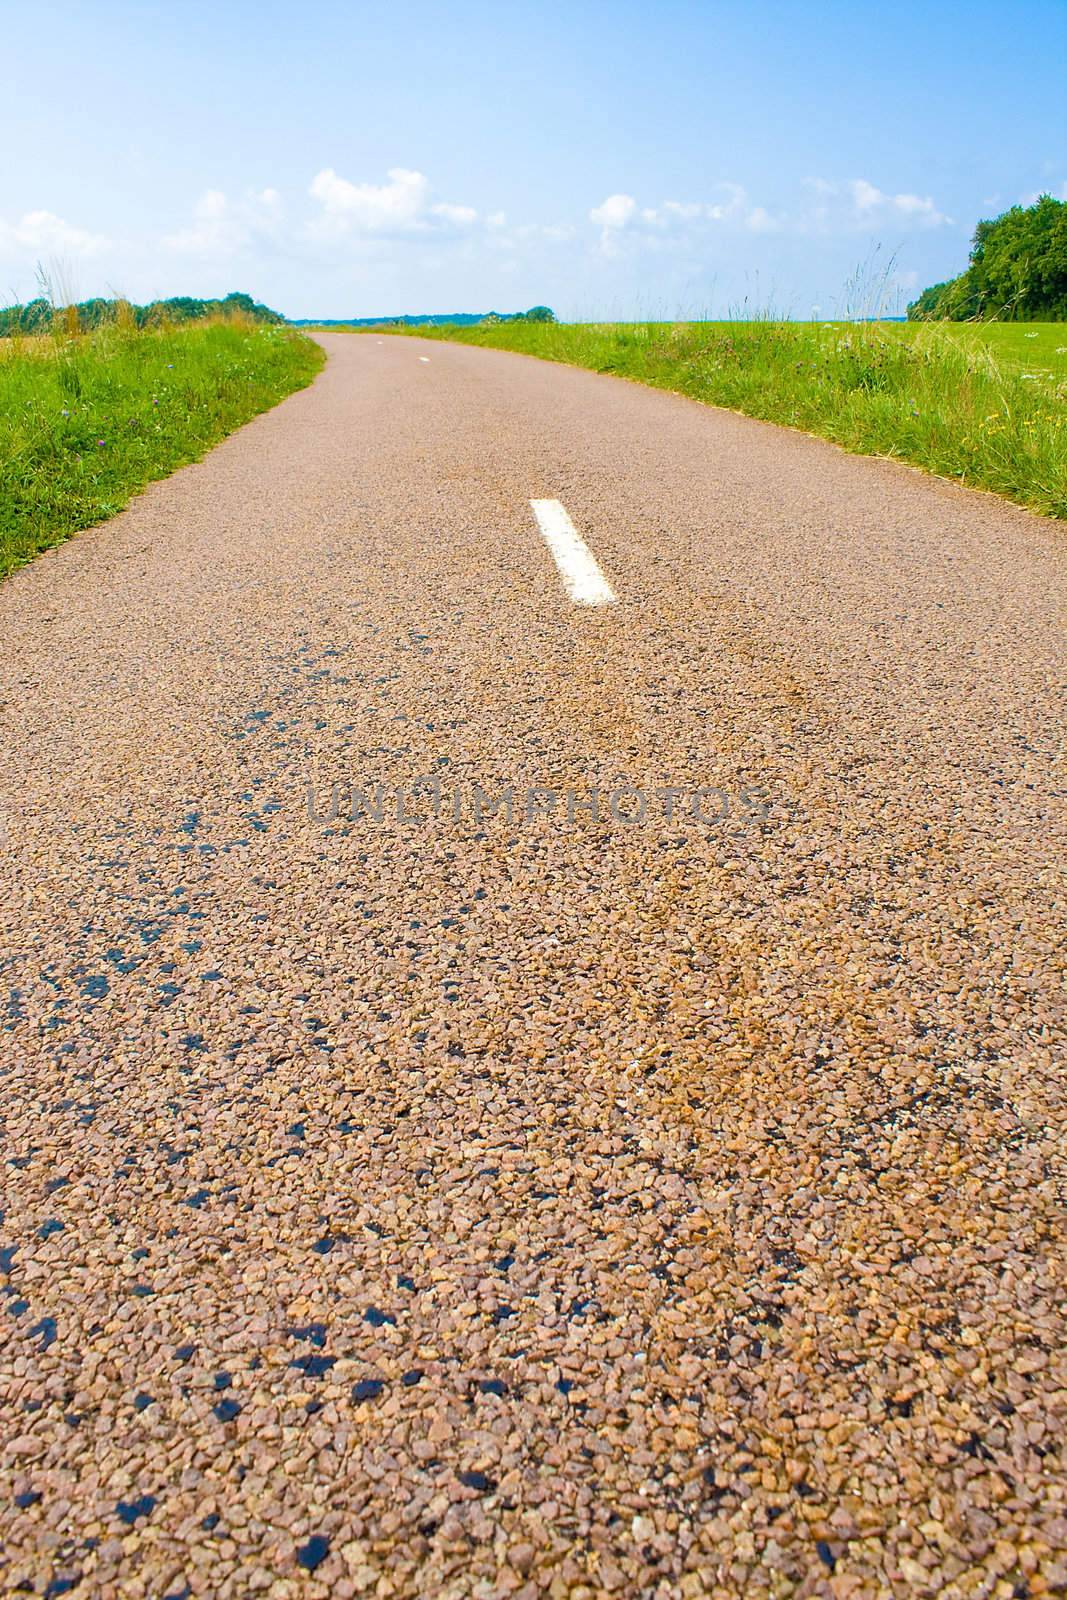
(548, 1205)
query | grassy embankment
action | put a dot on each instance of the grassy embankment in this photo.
(87, 420)
(983, 403)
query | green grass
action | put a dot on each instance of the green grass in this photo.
(87, 422)
(980, 403)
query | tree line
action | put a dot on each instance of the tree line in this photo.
(441, 319)
(1017, 271)
(40, 315)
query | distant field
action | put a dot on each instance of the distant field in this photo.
(87, 422)
(1038, 347)
(985, 404)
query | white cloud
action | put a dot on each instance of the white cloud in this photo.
(865, 196)
(461, 216)
(43, 233)
(373, 208)
(760, 221)
(682, 211)
(620, 212)
(210, 230)
(840, 207)
(861, 203)
(733, 206)
(614, 212)
(870, 201)
(371, 219)
(221, 227)
(403, 205)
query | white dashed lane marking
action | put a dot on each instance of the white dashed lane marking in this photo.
(582, 578)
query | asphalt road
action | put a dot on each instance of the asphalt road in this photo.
(426, 1201)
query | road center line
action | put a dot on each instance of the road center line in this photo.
(583, 579)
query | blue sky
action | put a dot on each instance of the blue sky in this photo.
(607, 159)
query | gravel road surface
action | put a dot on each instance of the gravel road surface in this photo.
(661, 1200)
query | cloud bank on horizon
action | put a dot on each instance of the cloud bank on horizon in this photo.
(336, 214)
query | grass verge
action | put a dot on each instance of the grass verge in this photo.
(86, 422)
(984, 404)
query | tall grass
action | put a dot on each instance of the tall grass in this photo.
(932, 395)
(87, 420)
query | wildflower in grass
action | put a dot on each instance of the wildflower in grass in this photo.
(101, 441)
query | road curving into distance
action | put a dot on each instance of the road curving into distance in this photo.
(657, 1190)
